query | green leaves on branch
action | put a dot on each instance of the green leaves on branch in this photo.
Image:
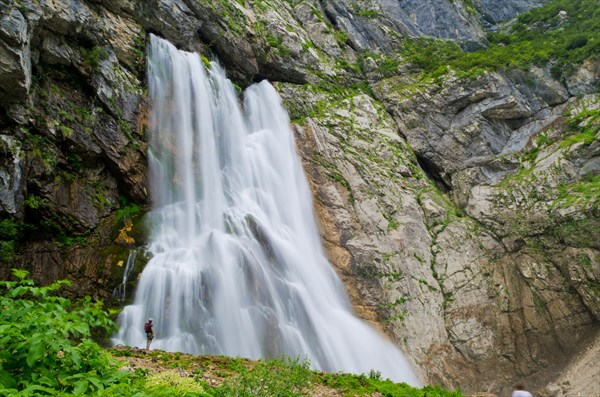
(46, 345)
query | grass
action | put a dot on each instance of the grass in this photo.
(584, 127)
(584, 191)
(371, 384)
(282, 376)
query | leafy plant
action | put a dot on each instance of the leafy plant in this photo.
(9, 229)
(92, 58)
(35, 202)
(368, 385)
(128, 209)
(284, 377)
(178, 385)
(7, 251)
(46, 345)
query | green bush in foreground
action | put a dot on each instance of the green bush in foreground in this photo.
(46, 346)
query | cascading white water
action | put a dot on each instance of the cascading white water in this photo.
(120, 292)
(237, 265)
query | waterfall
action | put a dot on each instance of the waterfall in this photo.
(237, 266)
(120, 293)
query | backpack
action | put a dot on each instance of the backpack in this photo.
(147, 327)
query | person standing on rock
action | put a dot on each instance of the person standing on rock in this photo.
(149, 329)
(520, 391)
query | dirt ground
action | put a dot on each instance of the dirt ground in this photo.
(581, 378)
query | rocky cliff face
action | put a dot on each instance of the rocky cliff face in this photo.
(461, 212)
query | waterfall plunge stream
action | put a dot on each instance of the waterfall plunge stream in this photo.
(237, 265)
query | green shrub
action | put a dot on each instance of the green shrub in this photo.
(576, 42)
(35, 202)
(372, 384)
(92, 58)
(7, 251)
(46, 345)
(128, 209)
(178, 385)
(9, 229)
(283, 377)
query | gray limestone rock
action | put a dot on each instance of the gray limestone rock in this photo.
(586, 80)
(494, 11)
(374, 24)
(11, 174)
(15, 57)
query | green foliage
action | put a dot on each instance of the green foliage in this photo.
(206, 62)
(578, 232)
(386, 65)
(584, 260)
(43, 148)
(93, 57)
(576, 42)
(128, 209)
(139, 50)
(46, 348)
(586, 191)
(363, 87)
(537, 37)
(341, 63)
(276, 43)
(368, 385)
(9, 229)
(66, 132)
(7, 251)
(542, 140)
(341, 38)
(368, 13)
(392, 222)
(283, 377)
(74, 160)
(35, 202)
(46, 345)
(171, 383)
(470, 7)
(394, 311)
(365, 12)
(68, 241)
(584, 126)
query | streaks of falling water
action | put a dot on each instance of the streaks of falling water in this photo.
(237, 265)
(120, 293)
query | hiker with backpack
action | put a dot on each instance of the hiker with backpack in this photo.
(149, 329)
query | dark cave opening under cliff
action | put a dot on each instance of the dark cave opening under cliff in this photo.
(433, 172)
